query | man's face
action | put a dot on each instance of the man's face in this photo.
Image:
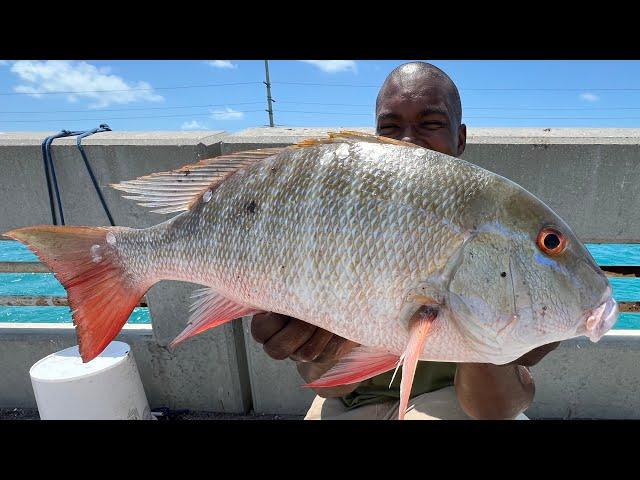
(420, 113)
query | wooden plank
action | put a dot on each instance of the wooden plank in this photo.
(23, 267)
(629, 307)
(624, 271)
(33, 301)
(41, 301)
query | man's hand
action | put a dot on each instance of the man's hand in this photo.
(493, 392)
(534, 356)
(487, 391)
(314, 349)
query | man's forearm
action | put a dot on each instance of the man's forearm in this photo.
(487, 391)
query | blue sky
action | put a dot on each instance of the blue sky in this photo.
(229, 94)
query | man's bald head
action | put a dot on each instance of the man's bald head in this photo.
(420, 104)
(417, 76)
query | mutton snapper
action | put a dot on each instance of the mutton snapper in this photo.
(413, 254)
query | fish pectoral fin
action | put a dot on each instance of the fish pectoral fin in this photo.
(420, 325)
(356, 366)
(177, 190)
(211, 310)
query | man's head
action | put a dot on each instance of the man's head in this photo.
(419, 103)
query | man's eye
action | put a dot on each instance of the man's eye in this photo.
(432, 124)
(388, 127)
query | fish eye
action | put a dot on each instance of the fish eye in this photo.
(551, 241)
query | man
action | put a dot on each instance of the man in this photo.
(417, 103)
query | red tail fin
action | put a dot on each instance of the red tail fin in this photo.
(101, 294)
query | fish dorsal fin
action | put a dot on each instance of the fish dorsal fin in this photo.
(177, 190)
(351, 136)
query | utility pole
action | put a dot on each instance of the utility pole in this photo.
(269, 99)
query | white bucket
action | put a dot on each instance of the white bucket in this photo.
(106, 388)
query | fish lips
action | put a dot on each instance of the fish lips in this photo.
(600, 320)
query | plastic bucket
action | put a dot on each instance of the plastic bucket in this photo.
(106, 388)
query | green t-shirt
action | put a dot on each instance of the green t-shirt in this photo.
(429, 376)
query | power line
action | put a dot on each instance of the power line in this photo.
(330, 104)
(500, 89)
(102, 119)
(209, 114)
(307, 103)
(552, 108)
(475, 117)
(140, 108)
(355, 85)
(557, 118)
(131, 89)
(325, 113)
(327, 84)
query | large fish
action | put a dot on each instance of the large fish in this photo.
(412, 254)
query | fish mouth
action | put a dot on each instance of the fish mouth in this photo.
(600, 320)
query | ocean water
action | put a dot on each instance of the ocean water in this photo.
(624, 289)
(39, 284)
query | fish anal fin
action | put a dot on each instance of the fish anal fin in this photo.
(210, 310)
(358, 365)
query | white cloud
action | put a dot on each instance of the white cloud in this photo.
(193, 125)
(227, 114)
(221, 64)
(589, 97)
(81, 79)
(333, 66)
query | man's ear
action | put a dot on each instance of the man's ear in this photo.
(462, 139)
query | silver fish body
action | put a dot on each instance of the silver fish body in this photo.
(353, 236)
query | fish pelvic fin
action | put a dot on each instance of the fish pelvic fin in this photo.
(210, 310)
(419, 328)
(101, 293)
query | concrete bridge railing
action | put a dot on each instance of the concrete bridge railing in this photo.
(588, 176)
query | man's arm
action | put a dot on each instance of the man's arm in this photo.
(487, 391)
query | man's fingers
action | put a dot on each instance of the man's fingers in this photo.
(266, 325)
(336, 348)
(289, 339)
(313, 347)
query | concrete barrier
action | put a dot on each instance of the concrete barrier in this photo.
(588, 176)
(207, 374)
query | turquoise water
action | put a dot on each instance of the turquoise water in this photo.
(57, 315)
(39, 284)
(624, 289)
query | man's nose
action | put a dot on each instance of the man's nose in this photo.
(408, 135)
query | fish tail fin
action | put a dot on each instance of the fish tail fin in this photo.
(101, 292)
